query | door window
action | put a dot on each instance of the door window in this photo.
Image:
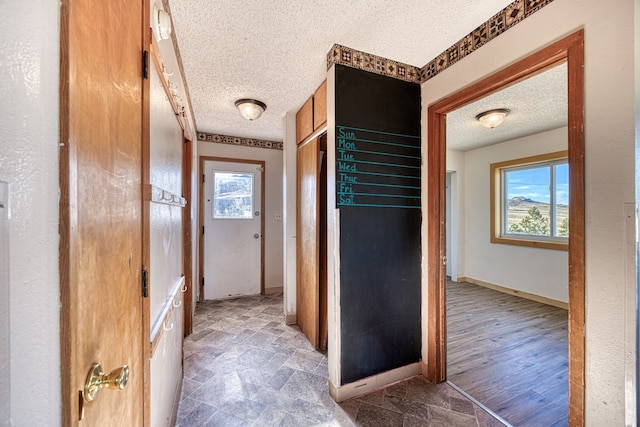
(232, 195)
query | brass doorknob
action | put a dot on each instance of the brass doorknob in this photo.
(97, 379)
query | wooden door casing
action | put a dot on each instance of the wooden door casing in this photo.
(101, 132)
(571, 50)
(307, 240)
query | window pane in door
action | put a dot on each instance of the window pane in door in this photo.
(232, 195)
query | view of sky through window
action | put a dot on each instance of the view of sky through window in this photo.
(533, 184)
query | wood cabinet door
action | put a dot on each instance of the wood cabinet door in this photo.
(320, 106)
(304, 121)
(307, 240)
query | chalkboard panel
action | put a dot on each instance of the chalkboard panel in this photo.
(378, 193)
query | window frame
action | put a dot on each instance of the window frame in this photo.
(497, 215)
(214, 217)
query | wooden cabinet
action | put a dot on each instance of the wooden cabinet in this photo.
(313, 114)
(320, 106)
(311, 241)
(304, 121)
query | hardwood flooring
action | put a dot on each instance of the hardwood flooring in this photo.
(508, 353)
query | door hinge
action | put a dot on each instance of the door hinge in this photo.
(145, 64)
(145, 283)
(203, 229)
(203, 282)
(203, 178)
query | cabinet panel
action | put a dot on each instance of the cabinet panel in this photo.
(307, 241)
(320, 106)
(304, 121)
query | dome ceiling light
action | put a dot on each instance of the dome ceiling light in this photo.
(493, 118)
(250, 109)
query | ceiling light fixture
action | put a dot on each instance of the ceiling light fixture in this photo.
(250, 109)
(161, 23)
(492, 118)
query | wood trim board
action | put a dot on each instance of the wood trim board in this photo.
(515, 292)
(571, 50)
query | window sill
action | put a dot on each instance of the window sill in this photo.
(541, 244)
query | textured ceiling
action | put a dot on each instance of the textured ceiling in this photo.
(275, 51)
(537, 104)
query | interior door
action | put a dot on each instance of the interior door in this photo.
(307, 240)
(232, 223)
(101, 116)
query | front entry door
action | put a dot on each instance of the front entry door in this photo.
(101, 116)
(232, 221)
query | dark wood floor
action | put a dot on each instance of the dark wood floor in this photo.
(509, 353)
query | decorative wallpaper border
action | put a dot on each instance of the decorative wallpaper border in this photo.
(487, 31)
(496, 25)
(373, 63)
(235, 140)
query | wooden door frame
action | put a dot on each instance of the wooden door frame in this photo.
(571, 50)
(187, 238)
(201, 161)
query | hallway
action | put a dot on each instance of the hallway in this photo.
(243, 366)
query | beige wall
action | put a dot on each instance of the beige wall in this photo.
(609, 166)
(273, 248)
(537, 271)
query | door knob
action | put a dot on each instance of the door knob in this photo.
(97, 379)
(256, 236)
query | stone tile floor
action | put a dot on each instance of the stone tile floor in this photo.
(244, 367)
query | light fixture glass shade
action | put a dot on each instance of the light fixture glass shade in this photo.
(492, 118)
(161, 23)
(250, 109)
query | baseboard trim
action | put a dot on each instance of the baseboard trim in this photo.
(273, 291)
(290, 319)
(521, 294)
(373, 383)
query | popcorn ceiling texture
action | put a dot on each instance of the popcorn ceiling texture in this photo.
(276, 53)
(485, 32)
(537, 104)
(492, 28)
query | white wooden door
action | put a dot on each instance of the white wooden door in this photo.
(232, 223)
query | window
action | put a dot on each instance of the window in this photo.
(232, 195)
(530, 201)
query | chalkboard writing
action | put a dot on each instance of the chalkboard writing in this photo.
(377, 175)
(377, 169)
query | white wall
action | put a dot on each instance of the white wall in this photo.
(538, 271)
(455, 245)
(166, 370)
(289, 182)
(165, 172)
(273, 247)
(165, 164)
(609, 169)
(29, 48)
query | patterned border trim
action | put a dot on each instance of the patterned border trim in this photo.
(373, 63)
(235, 140)
(498, 24)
